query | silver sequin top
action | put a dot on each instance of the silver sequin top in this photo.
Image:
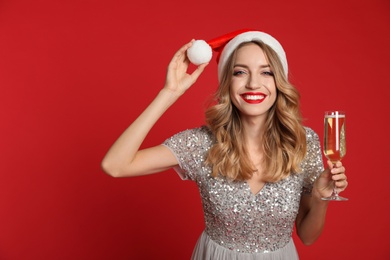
(235, 218)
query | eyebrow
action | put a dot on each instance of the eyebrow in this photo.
(245, 66)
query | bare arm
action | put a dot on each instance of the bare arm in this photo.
(312, 211)
(124, 157)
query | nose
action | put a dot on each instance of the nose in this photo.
(254, 82)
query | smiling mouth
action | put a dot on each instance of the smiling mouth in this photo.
(253, 98)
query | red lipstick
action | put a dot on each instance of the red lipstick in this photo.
(253, 97)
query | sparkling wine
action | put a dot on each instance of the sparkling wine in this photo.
(334, 138)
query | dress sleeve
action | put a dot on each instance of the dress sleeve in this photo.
(312, 165)
(189, 147)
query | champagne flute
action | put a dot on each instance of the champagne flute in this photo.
(334, 142)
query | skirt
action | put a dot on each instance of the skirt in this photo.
(207, 249)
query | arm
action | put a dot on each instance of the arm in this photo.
(312, 211)
(124, 157)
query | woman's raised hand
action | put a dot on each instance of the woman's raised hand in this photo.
(125, 158)
(178, 79)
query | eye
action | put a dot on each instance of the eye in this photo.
(268, 73)
(238, 72)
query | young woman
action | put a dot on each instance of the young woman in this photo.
(258, 169)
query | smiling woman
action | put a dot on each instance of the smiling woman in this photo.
(254, 162)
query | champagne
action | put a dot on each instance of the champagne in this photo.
(334, 138)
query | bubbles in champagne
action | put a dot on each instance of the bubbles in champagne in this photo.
(343, 147)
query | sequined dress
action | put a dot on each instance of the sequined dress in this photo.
(238, 223)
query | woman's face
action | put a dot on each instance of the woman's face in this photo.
(252, 89)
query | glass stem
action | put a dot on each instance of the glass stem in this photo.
(335, 193)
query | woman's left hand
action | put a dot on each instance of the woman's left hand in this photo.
(333, 176)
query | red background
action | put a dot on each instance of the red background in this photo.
(74, 74)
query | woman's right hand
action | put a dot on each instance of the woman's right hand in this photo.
(178, 79)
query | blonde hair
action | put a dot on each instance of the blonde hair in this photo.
(284, 140)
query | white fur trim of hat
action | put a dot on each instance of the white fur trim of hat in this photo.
(248, 37)
(199, 52)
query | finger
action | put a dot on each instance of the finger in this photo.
(186, 46)
(339, 177)
(196, 73)
(181, 53)
(338, 164)
(338, 170)
(330, 164)
(341, 184)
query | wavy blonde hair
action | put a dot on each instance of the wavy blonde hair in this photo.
(284, 140)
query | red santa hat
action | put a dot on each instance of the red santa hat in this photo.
(201, 51)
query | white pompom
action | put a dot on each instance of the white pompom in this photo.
(200, 52)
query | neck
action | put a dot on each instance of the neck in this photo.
(253, 131)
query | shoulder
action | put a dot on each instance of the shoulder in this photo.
(311, 135)
(190, 147)
(313, 144)
(199, 136)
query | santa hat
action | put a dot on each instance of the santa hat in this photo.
(201, 51)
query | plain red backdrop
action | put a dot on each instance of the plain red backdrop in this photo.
(74, 74)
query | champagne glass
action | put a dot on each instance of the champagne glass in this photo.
(334, 142)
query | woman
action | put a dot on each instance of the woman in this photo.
(258, 169)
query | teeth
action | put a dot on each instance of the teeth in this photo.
(253, 97)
